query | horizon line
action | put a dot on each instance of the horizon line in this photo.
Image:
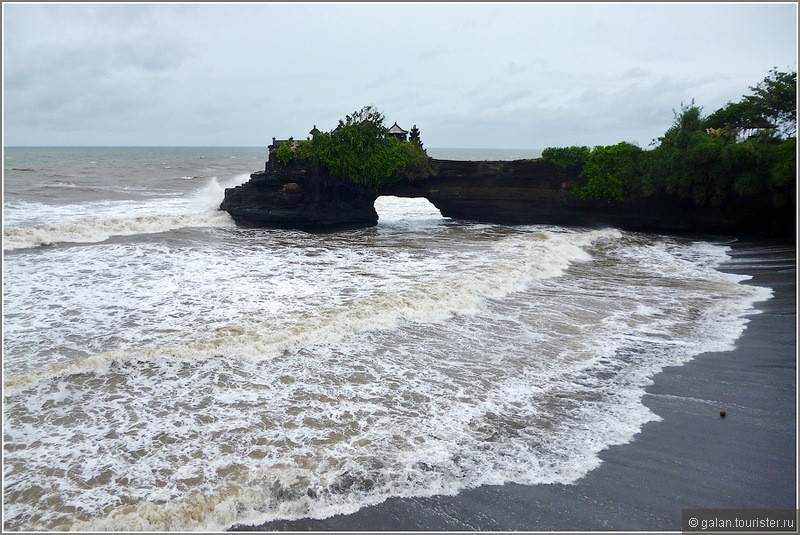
(219, 147)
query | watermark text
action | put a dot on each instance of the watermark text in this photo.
(745, 520)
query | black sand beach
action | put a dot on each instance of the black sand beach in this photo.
(692, 459)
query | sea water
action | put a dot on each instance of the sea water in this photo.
(165, 369)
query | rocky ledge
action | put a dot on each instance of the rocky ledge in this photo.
(304, 196)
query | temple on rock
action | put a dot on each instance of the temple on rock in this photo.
(396, 131)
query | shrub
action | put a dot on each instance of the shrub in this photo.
(783, 169)
(416, 162)
(291, 188)
(285, 154)
(611, 172)
(566, 156)
(359, 150)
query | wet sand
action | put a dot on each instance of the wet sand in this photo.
(692, 459)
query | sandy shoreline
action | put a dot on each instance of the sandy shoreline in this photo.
(692, 459)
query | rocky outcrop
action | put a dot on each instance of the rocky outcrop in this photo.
(300, 196)
(516, 192)
(305, 196)
(540, 192)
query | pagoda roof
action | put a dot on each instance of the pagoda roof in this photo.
(396, 129)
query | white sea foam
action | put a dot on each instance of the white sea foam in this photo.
(61, 184)
(390, 395)
(197, 210)
(334, 424)
(406, 214)
(515, 262)
(98, 230)
(277, 374)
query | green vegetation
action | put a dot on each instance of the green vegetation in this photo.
(610, 171)
(566, 156)
(745, 148)
(285, 154)
(360, 150)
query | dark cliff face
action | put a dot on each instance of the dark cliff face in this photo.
(517, 192)
(300, 196)
(540, 192)
(304, 196)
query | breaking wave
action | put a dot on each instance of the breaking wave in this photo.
(198, 210)
(518, 261)
(98, 230)
(326, 411)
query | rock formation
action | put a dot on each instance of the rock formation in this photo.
(305, 196)
(302, 196)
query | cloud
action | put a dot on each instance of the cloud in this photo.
(466, 74)
(93, 71)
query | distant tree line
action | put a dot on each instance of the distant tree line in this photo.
(360, 149)
(745, 148)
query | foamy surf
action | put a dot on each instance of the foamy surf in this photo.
(198, 210)
(516, 263)
(94, 230)
(202, 379)
(347, 419)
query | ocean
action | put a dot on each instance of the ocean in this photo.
(167, 370)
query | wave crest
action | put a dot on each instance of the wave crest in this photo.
(98, 230)
(518, 261)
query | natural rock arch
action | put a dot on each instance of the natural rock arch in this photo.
(305, 196)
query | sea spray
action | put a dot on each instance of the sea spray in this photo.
(94, 230)
(196, 210)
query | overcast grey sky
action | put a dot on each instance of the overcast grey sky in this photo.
(468, 75)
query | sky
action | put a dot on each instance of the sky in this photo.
(470, 75)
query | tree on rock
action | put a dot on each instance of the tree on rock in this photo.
(414, 135)
(772, 108)
(360, 150)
